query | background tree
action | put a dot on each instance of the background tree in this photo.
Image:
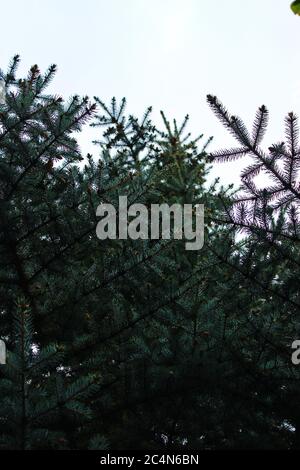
(121, 318)
(265, 266)
(140, 343)
(169, 335)
(40, 252)
(295, 7)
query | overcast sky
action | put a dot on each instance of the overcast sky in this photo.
(165, 53)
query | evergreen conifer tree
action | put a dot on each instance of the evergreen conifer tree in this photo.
(264, 266)
(117, 311)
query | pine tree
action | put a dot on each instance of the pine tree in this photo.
(40, 398)
(40, 258)
(172, 374)
(265, 267)
(116, 310)
(131, 343)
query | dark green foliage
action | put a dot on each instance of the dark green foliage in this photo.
(123, 313)
(264, 266)
(41, 400)
(116, 344)
(295, 7)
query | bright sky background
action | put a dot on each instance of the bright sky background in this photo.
(165, 53)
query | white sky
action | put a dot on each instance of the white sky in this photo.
(165, 53)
